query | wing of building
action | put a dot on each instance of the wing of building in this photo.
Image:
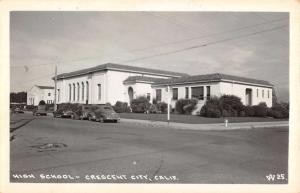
(37, 93)
(109, 83)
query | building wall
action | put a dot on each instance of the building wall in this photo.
(219, 89)
(240, 91)
(117, 91)
(214, 91)
(90, 80)
(112, 87)
(35, 95)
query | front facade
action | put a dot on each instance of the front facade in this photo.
(38, 93)
(109, 83)
(105, 84)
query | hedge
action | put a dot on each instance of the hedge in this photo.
(121, 107)
(140, 105)
(231, 106)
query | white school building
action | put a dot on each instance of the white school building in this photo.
(38, 93)
(109, 83)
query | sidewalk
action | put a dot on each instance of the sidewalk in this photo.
(212, 127)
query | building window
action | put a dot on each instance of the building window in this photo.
(99, 91)
(175, 93)
(158, 95)
(207, 92)
(82, 91)
(49, 94)
(268, 94)
(58, 94)
(87, 92)
(78, 91)
(148, 96)
(197, 92)
(70, 92)
(257, 93)
(186, 92)
(263, 94)
(74, 89)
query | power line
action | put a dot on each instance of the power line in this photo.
(195, 47)
(204, 44)
(161, 45)
(208, 35)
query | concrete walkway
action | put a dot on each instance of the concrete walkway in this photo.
(215, 127)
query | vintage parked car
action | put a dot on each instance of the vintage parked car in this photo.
(62, 113)
(104, 113)
(82, 112)
(41, 110)
(18, 110)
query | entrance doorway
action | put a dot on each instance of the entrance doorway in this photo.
(130, 94)
(248, 96)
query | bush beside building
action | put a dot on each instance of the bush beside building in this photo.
(231, 106)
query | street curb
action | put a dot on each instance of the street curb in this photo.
(19, 124)
(211, 127)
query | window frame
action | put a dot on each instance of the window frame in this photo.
(200, 97)
(173, 94)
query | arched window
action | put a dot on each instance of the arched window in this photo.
(74, 92)
(87, 92)
(82, 91)
(78, 91)
(70, 92)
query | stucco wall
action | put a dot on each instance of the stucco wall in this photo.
(214, 91)
(92, 79)
(117, 91)
(112, 87)
(35, 95)
(240, 91)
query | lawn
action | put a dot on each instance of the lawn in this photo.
(178, 118)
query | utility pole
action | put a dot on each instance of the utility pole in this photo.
(55, 87)
(169, 102)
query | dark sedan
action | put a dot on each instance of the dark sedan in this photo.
(62, 113)
(104, 113)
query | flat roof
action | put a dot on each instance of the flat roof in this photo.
(119, 67)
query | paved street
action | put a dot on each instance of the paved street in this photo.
(63, 150)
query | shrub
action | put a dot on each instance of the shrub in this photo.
(242, 113)
(260, 110)
(280, 110)
(211, 108)
(153, 109)
(140, 105)
(154, 101)
(185, 106)
(68, 107)
(162, 106)
(249, 110)
(231, 104)
(213, 112)
(121, 107)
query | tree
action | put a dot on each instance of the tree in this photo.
(18, 97)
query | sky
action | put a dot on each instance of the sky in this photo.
(249, 44)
